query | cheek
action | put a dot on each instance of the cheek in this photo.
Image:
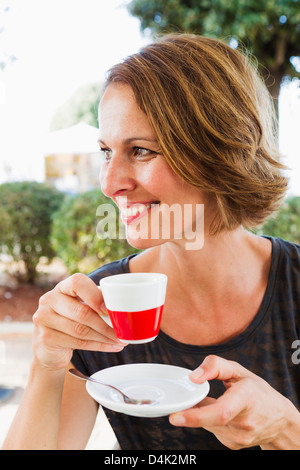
(161, 181)
(101, 178)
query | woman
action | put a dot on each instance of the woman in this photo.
(185, 121)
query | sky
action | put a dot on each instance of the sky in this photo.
(62, 45)
(289, 132)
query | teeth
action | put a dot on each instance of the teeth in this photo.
(135, 210)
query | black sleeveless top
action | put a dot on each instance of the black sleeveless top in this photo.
(268, 347)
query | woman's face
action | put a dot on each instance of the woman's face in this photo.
(136, 176)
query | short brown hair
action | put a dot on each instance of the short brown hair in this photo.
(214, 121)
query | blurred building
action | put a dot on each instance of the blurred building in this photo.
(72, 159)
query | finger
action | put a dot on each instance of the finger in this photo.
(80, 285)
(215, 414)
(62, 340)
(72, 328)
(207, 401)
(75, 310)
(102, 306)
(103, 309)
(215, 367)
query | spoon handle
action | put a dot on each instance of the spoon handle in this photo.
(126, 399)
(79, 375)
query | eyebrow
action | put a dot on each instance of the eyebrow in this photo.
(133, 139)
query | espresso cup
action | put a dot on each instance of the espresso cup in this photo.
(135, 303)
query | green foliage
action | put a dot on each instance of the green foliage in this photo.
(82, 106)
(26, 210)
(269, 29)
(286, 222)
(74, 233)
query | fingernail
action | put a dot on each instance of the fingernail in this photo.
(99, 311)
(197, 373)
(118, 347)
(103, 311)
(103, 314)
(177, 419)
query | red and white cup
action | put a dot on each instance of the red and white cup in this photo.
(135, 303)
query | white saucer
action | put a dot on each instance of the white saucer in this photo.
(169, 386)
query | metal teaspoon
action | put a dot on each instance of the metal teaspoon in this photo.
(126, 399)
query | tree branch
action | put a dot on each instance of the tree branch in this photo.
(280, 53)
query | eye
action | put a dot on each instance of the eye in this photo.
(143, 153)
(106, 153)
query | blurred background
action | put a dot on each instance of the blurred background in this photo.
(53, 59)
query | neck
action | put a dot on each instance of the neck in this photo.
(223, 257)
(221, 287)
(218, 290)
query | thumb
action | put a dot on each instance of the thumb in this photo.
(215, 367)
(102, 306)
(103, 309)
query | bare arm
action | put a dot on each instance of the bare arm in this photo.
(62, 419)
(78, 415)
(56, 412)
(36, 423)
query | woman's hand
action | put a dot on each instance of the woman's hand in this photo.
(250, 413)
(68, 318)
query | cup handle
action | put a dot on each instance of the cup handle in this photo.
(106, 318)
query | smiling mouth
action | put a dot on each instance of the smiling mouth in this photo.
(135, 211)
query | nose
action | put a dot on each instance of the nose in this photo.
(117, 176)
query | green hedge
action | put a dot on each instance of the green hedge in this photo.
(74, 234)
(26, 210)
(286, 222)
(38, 221)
